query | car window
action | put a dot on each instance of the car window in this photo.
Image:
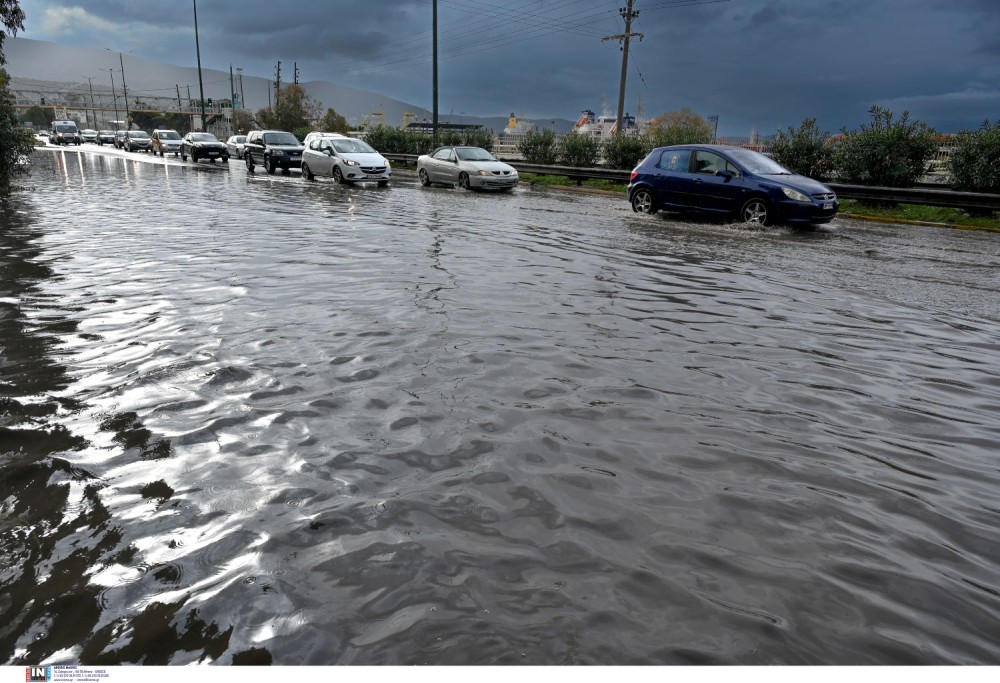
(280, 139)
(708, 162)
(475, 154)
(350, 146)
(445, 154)
(204, 137)
(675, 160)
(314, 145)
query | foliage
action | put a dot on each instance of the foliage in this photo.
(478, 137)
(804, 151)
(15, 142)
(626, 151)
(242, 121)
(975, 161)
(396, 141)
(886, 153)
(539, 147)
(333, 122)
(293, 109)
(40, 117)
(579, 150)
(150, 121)
(682, 127)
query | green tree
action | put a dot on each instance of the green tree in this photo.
(885, 153)
(293, 109)
(333, 122)
(15, 142)
(682, 127)
(579, 150)
(477, 137)
(625, 151)
(39, 117)
(539, 147)
(804, 150)
(975, 160)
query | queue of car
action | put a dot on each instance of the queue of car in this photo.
(710, 179)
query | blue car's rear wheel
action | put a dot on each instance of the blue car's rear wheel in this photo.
(756, 211)
(642, 201)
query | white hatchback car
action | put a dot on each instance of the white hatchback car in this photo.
(347, 160)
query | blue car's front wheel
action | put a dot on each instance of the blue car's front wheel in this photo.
(642, 201)
(756, 211)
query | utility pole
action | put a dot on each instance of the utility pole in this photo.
(435, 124)
(179, 107)
(296, 64)
(277, 86)
(197, 47)
(232, 88)
(243, 97)
(628, 15)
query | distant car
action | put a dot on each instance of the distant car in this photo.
(120, 136)
(725, 180)
(347, 160)
(88, 135)
(64, 133)
(106, 137)
(138, 141)
(203, 146)
(470, 167)
(235, 145)
(320, 134)
(165, 142)
(274, 148)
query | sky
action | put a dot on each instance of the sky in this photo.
(759, 65)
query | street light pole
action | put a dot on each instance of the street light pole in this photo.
(90, 82)
(197, 48)
(128, 121)
(435, 128)
(111, 72)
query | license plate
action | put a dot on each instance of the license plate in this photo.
(213, 154)
(827, 206)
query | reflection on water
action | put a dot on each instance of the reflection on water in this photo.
(265, 420)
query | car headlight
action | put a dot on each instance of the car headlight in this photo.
(351, 162)
(278, 152)
(484, 173)
(795, 194)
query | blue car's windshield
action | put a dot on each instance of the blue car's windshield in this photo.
(755, 162)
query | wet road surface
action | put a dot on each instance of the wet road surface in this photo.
(257, 419)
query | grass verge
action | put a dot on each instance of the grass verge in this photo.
(561, 181)
(922, 214)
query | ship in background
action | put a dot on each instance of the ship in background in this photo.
(606, 125)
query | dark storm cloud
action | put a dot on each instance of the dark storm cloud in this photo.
(756, 63)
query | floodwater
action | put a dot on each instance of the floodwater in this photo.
(251, 420)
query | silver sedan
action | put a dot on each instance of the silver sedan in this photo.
(469, 167)
(235, 145)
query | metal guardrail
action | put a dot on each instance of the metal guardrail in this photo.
(976, 201)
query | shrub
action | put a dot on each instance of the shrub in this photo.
(579, 150)
(395, 141)
(805, 150)
(625, 151)
(538, 147)
(886, 153)
(975, 160)
(477, 137)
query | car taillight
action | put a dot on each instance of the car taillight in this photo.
(632, 177)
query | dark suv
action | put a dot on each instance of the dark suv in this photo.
(274, 149)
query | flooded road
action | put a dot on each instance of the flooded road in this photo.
(257, 419)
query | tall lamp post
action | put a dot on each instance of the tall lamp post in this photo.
(121, 62)
(111, 72)
(197, 47)
(90, 82)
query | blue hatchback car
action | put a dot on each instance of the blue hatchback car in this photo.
(728, 180)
